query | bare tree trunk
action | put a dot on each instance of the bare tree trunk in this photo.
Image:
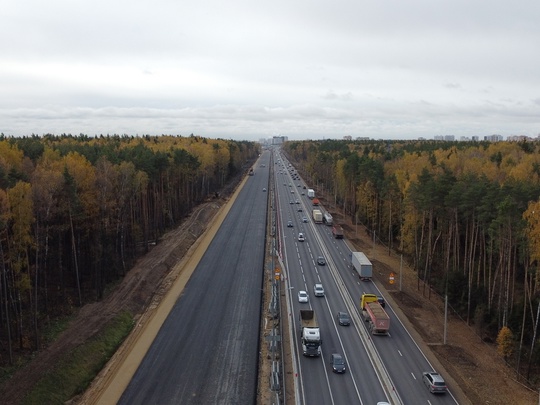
(6, 305)
(522, 334)
(75, 259)
(532, 342)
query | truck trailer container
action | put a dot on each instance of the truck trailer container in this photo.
(311, 193)
(317, 216)
(362, 265)
(374, 314)
(310, 334)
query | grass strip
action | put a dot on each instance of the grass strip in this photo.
(77, 368)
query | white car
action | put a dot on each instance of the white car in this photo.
(303, 296)
(318, 290)
(301, 237)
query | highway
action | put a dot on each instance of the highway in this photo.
(380, 368)
(207, 350)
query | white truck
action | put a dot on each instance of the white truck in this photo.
(317, 216)
(327, 219)
(310, 334)
(311, 193)
(362, 265)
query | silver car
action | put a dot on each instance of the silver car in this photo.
(318, 290)
(434, 382)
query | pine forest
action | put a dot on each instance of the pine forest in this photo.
(464, 215)
(77, 211)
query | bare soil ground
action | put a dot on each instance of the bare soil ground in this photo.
(464, 355)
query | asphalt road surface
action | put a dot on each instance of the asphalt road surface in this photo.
(207, 349)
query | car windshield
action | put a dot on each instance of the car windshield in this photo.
(338, 360)
(439, 383)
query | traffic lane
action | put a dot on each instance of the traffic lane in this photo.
(350, 341)
(310, 369)
(363, 385)
(326, 308)
(313, 371)
(408, 363)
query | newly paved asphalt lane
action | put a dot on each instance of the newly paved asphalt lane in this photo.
(207, 349)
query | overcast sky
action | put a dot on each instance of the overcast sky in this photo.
(244, 69)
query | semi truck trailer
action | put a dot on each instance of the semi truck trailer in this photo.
(310, 334)
(317, 216)
(362, 265)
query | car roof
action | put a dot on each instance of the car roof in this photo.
(435, 376)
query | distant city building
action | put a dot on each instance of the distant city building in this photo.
(493, 138)
(347, 138)
(475, 138)
(278, 140)
(448, 138)
(362, 138)
(519, 138)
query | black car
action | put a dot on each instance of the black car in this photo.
(321, 261)
(381, 301)
(343, 318)
(289, 224)
(338, 363)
